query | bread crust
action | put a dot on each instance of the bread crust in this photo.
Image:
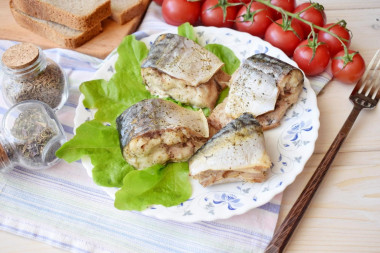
(48, 31)
(46, 11)
(129, 13)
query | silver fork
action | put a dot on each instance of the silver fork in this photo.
(366, 94)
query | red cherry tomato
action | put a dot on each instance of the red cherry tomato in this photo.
(256, 23)
(177, 12)
(287, 5)
(214, 16)
(352, 72)
(287, 41)
(159, 2)
(314, 15)
(333, 43)
(303, 56)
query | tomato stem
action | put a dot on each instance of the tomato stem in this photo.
(249, 15)
(314, 44)
(224, 4)
(347, 57)
(287, 14)
(287, 25)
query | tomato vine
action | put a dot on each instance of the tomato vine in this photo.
(287, 14)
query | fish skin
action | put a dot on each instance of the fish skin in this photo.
(238, 147)
(289, 83)
(178, 57)
(157, 131)
(152, 115)
(271, 65)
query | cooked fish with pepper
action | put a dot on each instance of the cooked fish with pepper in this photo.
(264, 86)
(156, 131)
(235, 153)
(179, 68)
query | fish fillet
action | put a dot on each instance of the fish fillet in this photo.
(236, 153)
(156, 131)
(179, 68)
(264, 86)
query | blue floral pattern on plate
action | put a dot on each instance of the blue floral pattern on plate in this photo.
(230, 200)
(289, 145)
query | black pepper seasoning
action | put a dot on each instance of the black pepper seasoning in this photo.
(29, 75)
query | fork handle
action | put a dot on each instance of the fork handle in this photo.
(285, 231)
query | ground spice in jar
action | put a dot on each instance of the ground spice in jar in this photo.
(47, 87)
(32, 76)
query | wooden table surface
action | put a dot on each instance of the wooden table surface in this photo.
(344, 215)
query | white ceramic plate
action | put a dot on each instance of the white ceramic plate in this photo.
(289, 146)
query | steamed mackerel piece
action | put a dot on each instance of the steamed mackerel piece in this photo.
(235, 153)
(156, 131)
(266, 86)
(178, 67)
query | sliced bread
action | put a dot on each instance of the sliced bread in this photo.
(80, 15)
(60, 34)
(125, 10)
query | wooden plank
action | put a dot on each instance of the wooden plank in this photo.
(100, 46)
(334, 222)
(11, 243)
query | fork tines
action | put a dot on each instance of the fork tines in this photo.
(369, 84)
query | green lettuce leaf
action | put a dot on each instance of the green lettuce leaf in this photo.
(226, 55)
(113, 97)
(101, 143)
(187, 30)
(167, 186)
(131, 53)
(223, 95)
(124, 89)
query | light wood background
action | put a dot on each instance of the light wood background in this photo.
(344, 216)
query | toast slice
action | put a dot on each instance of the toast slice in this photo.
(59, 34)
(125, 10)
(82, 15)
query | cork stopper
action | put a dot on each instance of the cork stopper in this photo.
(20, 56)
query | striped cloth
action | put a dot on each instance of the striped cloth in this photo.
(61, 206)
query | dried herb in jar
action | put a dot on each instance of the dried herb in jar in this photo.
(30, 136)
(33, 133)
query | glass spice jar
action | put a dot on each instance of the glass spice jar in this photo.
(31, 136)
(29, 75)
